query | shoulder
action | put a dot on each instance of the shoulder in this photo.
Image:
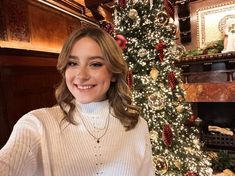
(48, 111)
(142, 121)
(142, 124)
(42, 116)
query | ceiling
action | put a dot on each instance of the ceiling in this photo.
(99, 10)
(93, 6)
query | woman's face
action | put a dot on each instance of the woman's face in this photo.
(86, 75)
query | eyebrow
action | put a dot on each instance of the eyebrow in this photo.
(90, 58)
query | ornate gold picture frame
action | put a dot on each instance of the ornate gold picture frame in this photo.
(212, 20)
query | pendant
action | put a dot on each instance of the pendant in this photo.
(98, 141)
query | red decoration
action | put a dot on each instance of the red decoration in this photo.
(191, 173)
(121, 41)
(108, 27)
(122, 3)
(130, 79)
(192, 119)
(161, 56)
(159, 47)
(170, 7)
(167, 135)
(172, 81)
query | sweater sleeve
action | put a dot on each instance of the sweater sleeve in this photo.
(19, 155)
(147, 164)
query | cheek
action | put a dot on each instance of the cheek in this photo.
(105, 77)
(68, 77)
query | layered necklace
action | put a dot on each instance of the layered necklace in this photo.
(99, 129)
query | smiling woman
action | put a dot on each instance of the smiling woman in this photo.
(94, 130)
(87, 76)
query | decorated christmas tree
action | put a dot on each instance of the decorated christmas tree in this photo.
(146, 32)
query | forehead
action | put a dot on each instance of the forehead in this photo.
(85, 43)
(86, 47)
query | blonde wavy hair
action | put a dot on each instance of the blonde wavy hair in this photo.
(119, 94)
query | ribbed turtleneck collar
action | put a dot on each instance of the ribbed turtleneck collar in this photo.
(94, 108)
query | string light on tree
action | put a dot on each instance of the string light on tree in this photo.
(151, 52)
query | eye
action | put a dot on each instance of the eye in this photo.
(71, 63)
(96, 64)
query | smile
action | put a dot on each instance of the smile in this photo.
(84, 87)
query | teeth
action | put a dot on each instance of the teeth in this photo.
(84, 87)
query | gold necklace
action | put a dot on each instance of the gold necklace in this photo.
(106, 127)
(87, 121)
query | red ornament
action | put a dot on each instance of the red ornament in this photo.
(108, 27)
(191, 173)
(159, 47)
(121, 41)
(130, 79)
(170, 7)
(122, 3)
(167, 135)
(161, 56)
(172, 81)
(192, 119)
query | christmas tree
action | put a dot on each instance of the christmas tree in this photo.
(146, 32)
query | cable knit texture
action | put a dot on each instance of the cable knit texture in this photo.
(41, 144)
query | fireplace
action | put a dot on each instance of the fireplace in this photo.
(217, 113)
(209, 83)
(218, 124)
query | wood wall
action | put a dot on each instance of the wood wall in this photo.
(27, 82)
(31, 36)
(32, 25)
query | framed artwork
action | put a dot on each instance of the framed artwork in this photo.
(212, 22)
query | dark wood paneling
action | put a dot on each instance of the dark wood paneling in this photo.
(26, 83)
(26, 88)
(17, 18)
(3, 28)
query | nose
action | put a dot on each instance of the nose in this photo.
(82, 74)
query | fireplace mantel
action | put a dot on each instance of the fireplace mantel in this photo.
(210, 92)
(209, 78)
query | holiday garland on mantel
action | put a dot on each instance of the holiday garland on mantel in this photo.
(146, 32)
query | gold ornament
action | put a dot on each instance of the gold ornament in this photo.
(196, 141)
(172, 28)
(178, 164)
(145, 1)
(142, 52)
(180, 50)
(190, 150)
(153, 135)
(154, 73)
(160, 164)
(180, 97)
(180, 108)
(133, 14)
(162, 18)
(156, 101)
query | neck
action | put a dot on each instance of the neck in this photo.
(99, 108)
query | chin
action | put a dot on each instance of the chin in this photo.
(85, 101)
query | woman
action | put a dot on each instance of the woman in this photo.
(94, 129)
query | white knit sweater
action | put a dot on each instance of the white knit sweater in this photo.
(42, 145)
